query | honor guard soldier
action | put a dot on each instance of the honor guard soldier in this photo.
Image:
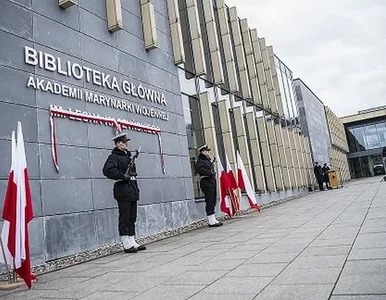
(120, 167)
(205, 168)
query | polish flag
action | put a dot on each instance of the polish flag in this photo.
(17, 212)
(232, 186)
(223, 181)
(244, 183)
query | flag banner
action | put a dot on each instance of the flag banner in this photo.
(233, 186)
(17, 212)
(223, 186)
(9, 210)
(244, 183)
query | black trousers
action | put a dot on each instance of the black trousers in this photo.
(320, 182)
(127, 217)
(209, 188)
(327, 181)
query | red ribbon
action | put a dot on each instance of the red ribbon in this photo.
(117, 124)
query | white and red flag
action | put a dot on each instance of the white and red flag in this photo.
(232, 186)
(223, 184)
(244, 183)
(17, 212)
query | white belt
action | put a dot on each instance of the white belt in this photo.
(132, 178)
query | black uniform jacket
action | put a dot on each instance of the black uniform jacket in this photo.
(325, 170)
(115, 168)
(318, 171)
(204, 167)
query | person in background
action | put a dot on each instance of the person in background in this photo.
(319, 175)
(326, 179)
(205, 168)
(126, 190)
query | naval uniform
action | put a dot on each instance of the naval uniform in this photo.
(126, 190)
(205, 168)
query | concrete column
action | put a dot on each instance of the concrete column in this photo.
(290, 159)
(292, 136)
(308, 161)
(275, 155)
(256, 152)
(304, 160)
(67, 3)
(226, 131)
(214, 48)
(283, 157)
(175, 31)
(195, 35)
(268, 74)
(299, 157)
(148, 25)
(243, 141)
(260, 68)
(251, 64)
(240, 54)
(265, 149)
(114, 14)
(227, 46)
(208, 122)
(275, 79)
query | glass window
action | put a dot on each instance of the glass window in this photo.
(187, 85)
(219, 138)
(233, 128)
(371, 135)
(195, 135)
(381, 129)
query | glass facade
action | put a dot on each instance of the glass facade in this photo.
(291, 112)
(314, 121)
(366, 142)
(366, 137)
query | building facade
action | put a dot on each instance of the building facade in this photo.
(366, 134)
(339, 146)
(313, 121)
(175, 75)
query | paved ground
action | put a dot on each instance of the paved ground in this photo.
(329, 245)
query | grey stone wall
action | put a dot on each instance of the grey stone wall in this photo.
(314, 122)
(74, 209)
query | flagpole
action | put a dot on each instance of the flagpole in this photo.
(5, 261)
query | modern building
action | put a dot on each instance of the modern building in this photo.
(175, 75)
(366, 135)
(313, 121)
(324, 130)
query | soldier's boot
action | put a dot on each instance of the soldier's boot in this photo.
(135, 244)
(213, 222)
(128, 246)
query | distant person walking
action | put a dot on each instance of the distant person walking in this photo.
(319, 175)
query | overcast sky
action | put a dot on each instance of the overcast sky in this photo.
(337, 47)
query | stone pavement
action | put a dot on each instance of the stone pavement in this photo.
(327, 245)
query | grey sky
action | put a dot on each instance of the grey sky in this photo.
(337, 47)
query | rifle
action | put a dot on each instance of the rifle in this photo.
(135, 156)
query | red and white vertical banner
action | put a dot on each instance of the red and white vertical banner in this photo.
(223, 185)
(232, 186)
(244, 184)
(17, 212)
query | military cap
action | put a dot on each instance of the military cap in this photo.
(203, 148)
(122, 137)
